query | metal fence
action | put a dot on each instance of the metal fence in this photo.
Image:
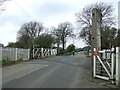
(14, 54)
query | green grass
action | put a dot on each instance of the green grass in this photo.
(0, 61)
(48, 56)
(89, 57)
(92, 80)
(20, 59)
(6, 61)
(66, 54)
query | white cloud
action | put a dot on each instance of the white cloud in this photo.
(8, 34)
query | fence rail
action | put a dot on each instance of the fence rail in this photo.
(14, 54)
(106, 65)
(106, 54)
(43, 52)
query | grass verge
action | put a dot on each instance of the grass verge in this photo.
(10, 62)
(6, 62)
(66, 54)
(89, 57)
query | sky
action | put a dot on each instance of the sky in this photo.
(119, 15)
(50, 12)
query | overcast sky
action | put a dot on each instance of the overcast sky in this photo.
(50, 12)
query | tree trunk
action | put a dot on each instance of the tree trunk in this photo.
(58, 48)
(63, 44)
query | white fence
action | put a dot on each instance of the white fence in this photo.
(14, 54)
(43, 52)
(106, 65)
(107, 55)
(104, 55)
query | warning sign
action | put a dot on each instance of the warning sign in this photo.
(96, 53)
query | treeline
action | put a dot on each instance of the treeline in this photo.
(34, 33)
(110, 35)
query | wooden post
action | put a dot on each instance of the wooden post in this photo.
(112, 66)
(94, 64)
(0, 53)
(42, 53)
(28, 54)
(1, 76)
(118, 66)
(118, 53)
(33, 52)
(16, 54)
(1, 68)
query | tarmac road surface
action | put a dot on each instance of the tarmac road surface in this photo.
(53, 72)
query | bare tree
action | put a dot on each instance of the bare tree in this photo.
(84, 19)
(66, 29)
(57, 33)
(32, 29)
(2, 2)
(118, 38)
(29, 31)
(63, 30)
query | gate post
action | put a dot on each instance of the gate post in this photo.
(94, 64)
(118, 66)
(16, 54)
(33, 52)
(112, 66)
(42, 53)
(117, 76)
(0, 53)
(1, 68)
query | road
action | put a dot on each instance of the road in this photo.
(53, 72)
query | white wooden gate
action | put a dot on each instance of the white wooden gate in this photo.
(43, 52)
(105, 64)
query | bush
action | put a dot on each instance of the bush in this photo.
(6, 61)
(20, 59)
(61, 51)
(71, 48)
